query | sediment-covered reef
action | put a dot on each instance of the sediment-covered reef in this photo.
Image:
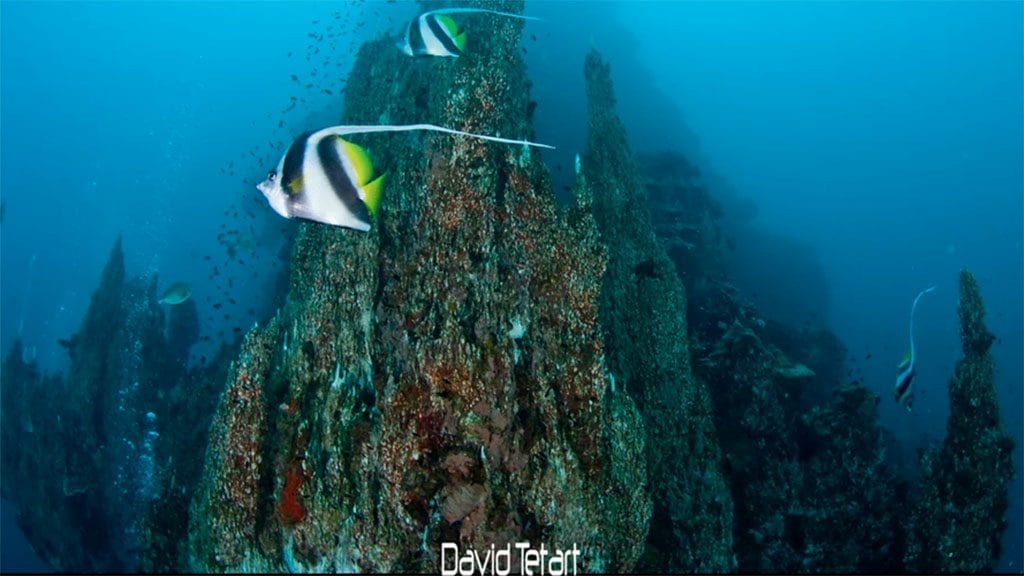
(485, 367)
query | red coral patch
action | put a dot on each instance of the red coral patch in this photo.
(291, 510)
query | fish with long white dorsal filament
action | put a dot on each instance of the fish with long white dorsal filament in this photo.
(325, 178)
(907, 368)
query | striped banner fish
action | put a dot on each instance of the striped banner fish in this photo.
(325, 178)
(907, 368)
(434, 33)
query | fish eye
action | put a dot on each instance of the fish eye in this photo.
(272, 175)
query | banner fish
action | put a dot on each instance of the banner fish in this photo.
(434, 33)
(176, 293)
(907, 368)
(325, 178)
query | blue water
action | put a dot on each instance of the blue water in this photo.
(867, 151)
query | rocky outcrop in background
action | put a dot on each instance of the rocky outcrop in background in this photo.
(960, 516)
(643, 316)
(90, 456)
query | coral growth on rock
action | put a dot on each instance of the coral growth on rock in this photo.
(643, 306)
(442, 378)
(851, 502)
(686, 218)
(961, 514)
(90, 456)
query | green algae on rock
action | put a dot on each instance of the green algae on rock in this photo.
(961, 514)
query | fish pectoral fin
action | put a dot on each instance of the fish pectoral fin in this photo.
(294, 186)
(372, 194)
(302, 210)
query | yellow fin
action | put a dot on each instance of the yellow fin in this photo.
(449, 24)
(903, 363)
(372, 194)
(360, 161)
(460, 41)
(295, 186)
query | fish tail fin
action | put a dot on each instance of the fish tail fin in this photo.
(372, 194)
(460, 41)
(482, 11)
(343, 130)
(904, 362)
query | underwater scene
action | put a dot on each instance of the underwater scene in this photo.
(506, 287)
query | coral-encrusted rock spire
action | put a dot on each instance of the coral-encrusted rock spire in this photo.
(235, 456)
(442, 378)
(961, 515)
(643, 312)
(85, 458)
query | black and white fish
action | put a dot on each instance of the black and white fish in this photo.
(907, 368)
(325, 178)
(434, 33)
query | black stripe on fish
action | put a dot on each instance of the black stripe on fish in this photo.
(334, 169)
(442, 34)
(291, 171)
(904, 384)
(415, 38)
